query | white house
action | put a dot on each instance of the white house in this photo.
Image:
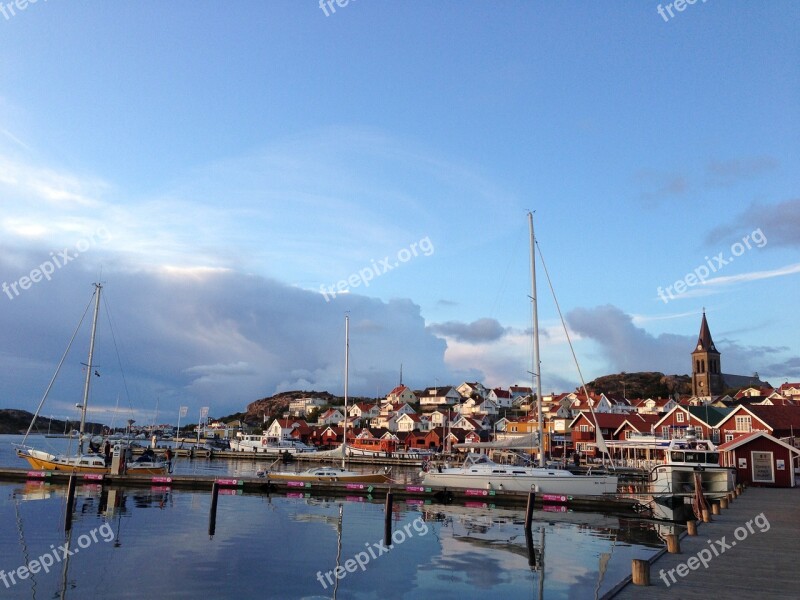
(401, 394)
(332, 416)
(501, 397)
(407, 422)
(282, 428)
(470, 388)
(438, 396)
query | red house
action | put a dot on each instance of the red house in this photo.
(761, 460)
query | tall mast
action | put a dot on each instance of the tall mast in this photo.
(89, 369)
(537, 366)
(346, 382)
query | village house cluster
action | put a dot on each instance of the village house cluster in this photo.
(438, 418)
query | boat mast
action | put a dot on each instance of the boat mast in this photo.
(346, 377)
(89, 369)
(537, 366)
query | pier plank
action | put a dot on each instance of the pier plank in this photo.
(762, 565)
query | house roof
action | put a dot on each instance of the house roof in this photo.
(710, 415)
(777, 417)
(501, 393)
(639, 422)
(398, 390)
(749, 437)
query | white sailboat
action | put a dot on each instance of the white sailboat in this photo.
(83, 462)
(326, 473)
(478, 471)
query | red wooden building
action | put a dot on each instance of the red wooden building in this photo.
(761, 460)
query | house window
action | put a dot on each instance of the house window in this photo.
(584, 428)
(679, 417)
(743, 423)
(728, 437)
(628, 433)
(665, 431)
(715, 436)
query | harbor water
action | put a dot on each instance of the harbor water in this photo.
(156, 542)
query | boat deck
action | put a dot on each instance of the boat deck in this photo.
(762, 565)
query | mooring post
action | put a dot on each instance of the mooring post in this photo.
(715, 508)
(640, 572)
(673, 543)
(529, 510)
(212, 516)
(706, 516)
(387, 522)
(691, 527)
(70, 503)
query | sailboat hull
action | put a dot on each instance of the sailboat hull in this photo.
(87, 464)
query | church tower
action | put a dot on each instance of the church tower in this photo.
(706, 374)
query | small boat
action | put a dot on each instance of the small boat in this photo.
(480, 472)
(690, 468)
(91, 461)
(334, 473)
(371, 446)
(329, 474)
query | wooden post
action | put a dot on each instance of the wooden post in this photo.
(212, 516)
(691, 527)
(706, 516)
(715, 508)
(387, 523)
(730, 497)
(640, 572)
(529, 510)
(723, 503)
(70, 503)
(673, 543)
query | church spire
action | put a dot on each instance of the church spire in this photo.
(704, 341)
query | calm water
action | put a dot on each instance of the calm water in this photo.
(288, 546)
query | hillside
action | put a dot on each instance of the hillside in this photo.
(13, 421)
(641, 385)
(275, 406)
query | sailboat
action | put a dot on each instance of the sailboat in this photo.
(479, 471)
(327, 473)
(89, 461)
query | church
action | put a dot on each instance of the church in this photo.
(708, 380)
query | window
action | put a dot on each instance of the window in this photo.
(679, 417)
(743, 423)
(584, 428)
(715, 436)
(665, 431)
(728, 437)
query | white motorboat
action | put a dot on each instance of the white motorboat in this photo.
(690, 467)
(480, 472)
(261, 444)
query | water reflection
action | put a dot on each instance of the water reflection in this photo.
(279, 546)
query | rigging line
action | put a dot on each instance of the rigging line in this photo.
(116, 350)
(58, 369)
(574, 357)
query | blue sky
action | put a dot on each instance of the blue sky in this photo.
(218, 164)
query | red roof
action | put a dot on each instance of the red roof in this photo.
(749, 437)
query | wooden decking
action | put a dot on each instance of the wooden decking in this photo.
(763, 565)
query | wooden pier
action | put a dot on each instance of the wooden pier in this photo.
(259, 485)
(762, 564)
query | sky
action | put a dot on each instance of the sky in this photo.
(241, 176)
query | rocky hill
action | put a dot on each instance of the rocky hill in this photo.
(641, 385)
(277, 405)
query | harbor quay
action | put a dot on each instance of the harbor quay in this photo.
(750, 549)
(261, 485)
